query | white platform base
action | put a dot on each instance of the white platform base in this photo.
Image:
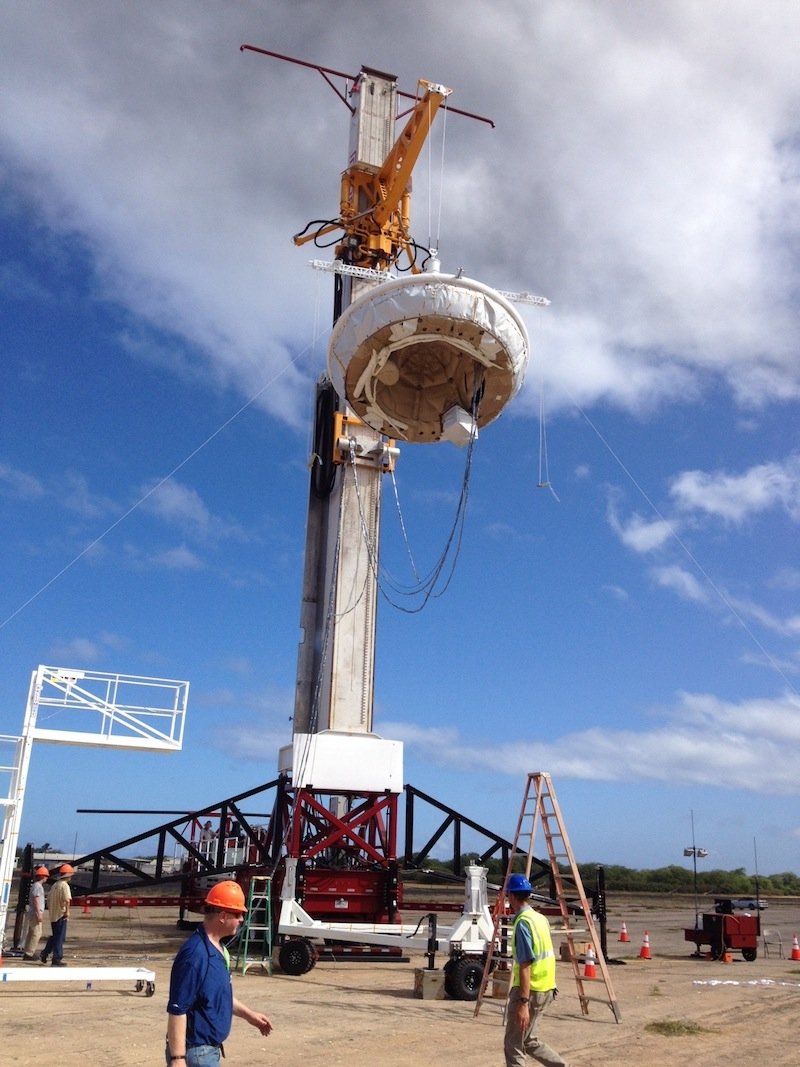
(143, 979)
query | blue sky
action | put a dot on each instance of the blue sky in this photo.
(636, 632)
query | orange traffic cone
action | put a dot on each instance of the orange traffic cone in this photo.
(589, 970)
(644, 951)
(623, 933)
(86, 909)
(795, 949)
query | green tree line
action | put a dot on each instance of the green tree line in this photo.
(676, 879)
(672, 879)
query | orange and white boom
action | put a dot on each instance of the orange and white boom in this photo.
(374, 204)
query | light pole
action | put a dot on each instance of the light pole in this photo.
(695, 853)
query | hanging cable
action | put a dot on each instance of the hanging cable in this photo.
(441, 175)
(436, 583)
(434, 235)
(544, 465)
(414, 570)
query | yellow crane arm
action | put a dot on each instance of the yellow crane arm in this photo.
(394, 176)
(374, 202)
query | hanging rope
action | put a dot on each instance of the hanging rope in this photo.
(437, 581)
(435, 237)
(441, 175)
(403, 532)
(544, 465)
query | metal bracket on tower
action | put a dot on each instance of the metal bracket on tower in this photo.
(351, 437)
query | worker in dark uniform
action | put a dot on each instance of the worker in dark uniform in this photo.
(201, 1003)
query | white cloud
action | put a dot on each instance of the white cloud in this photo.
(73, 492)
(753, 745)
(20, 484)
(252, 741)
(180, 505)
(773, 663)
(179, 558)
(641, 535)
(788, 626)
(786, 578)
(734, 497)
(642, 174)
(80, 650)
(616, 591)
(682, 582)
(86, 651)
(69, 490)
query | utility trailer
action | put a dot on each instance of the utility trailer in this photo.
(724, 932)
(466, 942)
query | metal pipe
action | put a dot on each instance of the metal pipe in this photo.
(431, 952)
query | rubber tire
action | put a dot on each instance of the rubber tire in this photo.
(749, 954)
(296, 956)
(462, 980)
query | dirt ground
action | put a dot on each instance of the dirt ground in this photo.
(353, 1014)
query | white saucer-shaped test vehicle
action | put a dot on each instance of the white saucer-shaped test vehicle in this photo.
(410, 356)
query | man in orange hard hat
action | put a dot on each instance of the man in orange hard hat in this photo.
(34, 913)
(58, 905)
(201, 1003)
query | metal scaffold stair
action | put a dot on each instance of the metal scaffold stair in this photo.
(255, 938)
(540, 808)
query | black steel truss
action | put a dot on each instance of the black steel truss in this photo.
(264, 850)
(496, 847)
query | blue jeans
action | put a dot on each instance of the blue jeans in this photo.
(199, 1056)
(55, 942)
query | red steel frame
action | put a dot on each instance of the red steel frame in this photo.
(367, 834)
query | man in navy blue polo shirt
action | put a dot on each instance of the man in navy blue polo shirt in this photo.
(201, 1003)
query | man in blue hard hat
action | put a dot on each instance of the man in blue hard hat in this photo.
(533, 980)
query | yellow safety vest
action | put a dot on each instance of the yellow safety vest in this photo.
(543, 968)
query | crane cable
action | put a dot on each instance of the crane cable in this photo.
(433, 244)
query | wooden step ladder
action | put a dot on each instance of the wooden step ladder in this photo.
(255, 937)
(539, 806)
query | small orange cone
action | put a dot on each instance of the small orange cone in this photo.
(644, 951)
(589, 970)
(623, 933)
(795, 949)
(86, 909)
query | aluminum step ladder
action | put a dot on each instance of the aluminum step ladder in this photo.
(540, 807)
(255, 938)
